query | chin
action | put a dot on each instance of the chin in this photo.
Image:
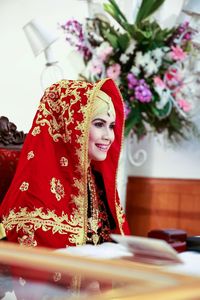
(100, 157)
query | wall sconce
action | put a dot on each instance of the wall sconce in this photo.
(40, 40)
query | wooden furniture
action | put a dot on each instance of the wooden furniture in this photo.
(11, 141)
(157, 203)
(128, 279)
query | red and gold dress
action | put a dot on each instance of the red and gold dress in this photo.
(54, 199)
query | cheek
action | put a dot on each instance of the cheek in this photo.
(92, 139)
(113, 136)
(94, 134)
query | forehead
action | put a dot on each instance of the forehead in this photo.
(105, 117)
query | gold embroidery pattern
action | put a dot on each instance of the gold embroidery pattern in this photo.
(24, 186)
(30, 155)
(28, 240)
(46, 221)
(57, 188)
(36, 131)
(57, 276)
(64, 162)
(54, 100)
(2, 231)
(82, 153)
(120, 217)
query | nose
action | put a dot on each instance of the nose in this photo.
(108, 134)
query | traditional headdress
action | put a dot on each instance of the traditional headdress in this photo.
(103, 105)
(47, 202)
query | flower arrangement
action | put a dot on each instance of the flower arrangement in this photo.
(146, 61)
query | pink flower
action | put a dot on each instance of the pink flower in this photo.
(173, 78)
(105, 53)
(127, 110)
(184, 105)
(159, 82)
(177, 53)
(114, 71)
(96, 67)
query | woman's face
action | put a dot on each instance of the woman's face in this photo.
(101, 136)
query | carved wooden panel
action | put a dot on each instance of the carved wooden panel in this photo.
(157, 203)
(10, 137)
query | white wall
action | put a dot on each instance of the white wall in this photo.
(20, 70)
(165, 160)
(20, 81)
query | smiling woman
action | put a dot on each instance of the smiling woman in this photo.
(64, 192)
(101, 136)
(101, 133)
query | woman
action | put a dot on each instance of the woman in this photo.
(64, 191)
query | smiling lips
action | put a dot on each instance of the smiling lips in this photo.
(102, 147)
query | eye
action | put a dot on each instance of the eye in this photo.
(112, 126)
(98, 124)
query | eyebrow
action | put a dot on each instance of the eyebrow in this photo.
(102, 120)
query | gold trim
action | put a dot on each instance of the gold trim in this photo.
(2, 231)
(120, 216)
(33, 220)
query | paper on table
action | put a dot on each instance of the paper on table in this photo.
(103, 251)
(190, 266)
(148, 249)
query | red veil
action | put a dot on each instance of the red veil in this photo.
(46, 204)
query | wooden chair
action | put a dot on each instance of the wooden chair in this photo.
(11, 141)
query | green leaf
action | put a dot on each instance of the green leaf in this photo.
(175, 121)
(133, 118)
(123, 41)
(162, 113)
(112, 39)
(109, 34)
(147, 8)
(113, 9)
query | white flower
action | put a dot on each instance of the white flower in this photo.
(131, 47)
(146, 59)
(166, 49)
(124, 58)
(158, 62)
(102, 48)
(138, 58)
(148, 64)
(168, 56)
(135, 70)
(96, 37)
(151, 68)
(157, 53)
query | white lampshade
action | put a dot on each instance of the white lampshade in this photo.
(39, 37)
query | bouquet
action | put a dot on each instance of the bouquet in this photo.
(147, 62)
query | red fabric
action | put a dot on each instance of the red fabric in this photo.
(8, 162)
(46, 204)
